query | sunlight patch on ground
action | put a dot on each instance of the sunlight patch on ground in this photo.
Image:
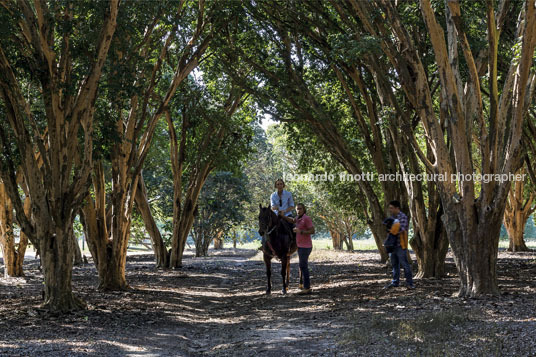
(12, 281)
(335, 284)
(200, 319)
(126, 347)
(8, 345)
(310, 308)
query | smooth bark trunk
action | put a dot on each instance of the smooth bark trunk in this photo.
(430, 245)
(13, 254)
(108, 248)
(142, 203)
(336, 239)
(77, 252)
(516, 214)
(218, 241)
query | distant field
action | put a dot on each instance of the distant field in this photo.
(361, 244)
(531, 243)
(318, 244)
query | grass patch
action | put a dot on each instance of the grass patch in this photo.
(318, 244)
(359, 244)
(444, 333)
(531, 244)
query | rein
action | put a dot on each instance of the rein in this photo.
(271, 230)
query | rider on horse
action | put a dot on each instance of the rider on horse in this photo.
(282, 204)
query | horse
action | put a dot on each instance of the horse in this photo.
(278, 242)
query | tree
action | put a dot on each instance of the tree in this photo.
(375, 108)
(214, 126)
(472, 213)
(44, 47)
(261, 168)
(220, 207)
(154, 52)
(290, 89)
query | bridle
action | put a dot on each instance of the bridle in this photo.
(271, 230)
(270, 221)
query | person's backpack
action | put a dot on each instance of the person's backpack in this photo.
(392, 241)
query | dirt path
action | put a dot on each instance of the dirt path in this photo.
(216, 306)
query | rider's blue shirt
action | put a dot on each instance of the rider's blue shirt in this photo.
(286, 201)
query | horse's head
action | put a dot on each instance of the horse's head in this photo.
(266, 219)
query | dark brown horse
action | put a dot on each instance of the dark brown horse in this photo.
(278, 242)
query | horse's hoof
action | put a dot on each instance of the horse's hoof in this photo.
(284, 291)
(268, 292)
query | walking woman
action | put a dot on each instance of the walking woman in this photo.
(304, 228)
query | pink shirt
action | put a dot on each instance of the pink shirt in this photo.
(304, 240)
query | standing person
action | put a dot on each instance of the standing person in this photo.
(399, 255)
(304, 228)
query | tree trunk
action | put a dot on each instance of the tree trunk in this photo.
(57, 262)
(112, 271)
(77, 253)
(183, 220)
(109, 249)
(142, 203)
(348, 224)
(350, 244)
(516, 214)
(335, 239)
(182, 226)
(110, 266)
(13, 253)
(517, 242)
(7, 239)
(199, 236)
(23, 241)
(218, 241)
(475, 248)
(430, 247)
(430, 259)
(378, 232)
(207, 239)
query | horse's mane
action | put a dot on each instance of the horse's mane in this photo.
(274, 218)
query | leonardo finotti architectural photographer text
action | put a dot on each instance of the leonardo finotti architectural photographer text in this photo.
(372, 176)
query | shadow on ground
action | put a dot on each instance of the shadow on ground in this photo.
(217, 306)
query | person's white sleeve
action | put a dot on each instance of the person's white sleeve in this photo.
(290, 200)
(273, 201)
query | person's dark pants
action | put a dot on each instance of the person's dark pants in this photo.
(303, 255)
(399, 257)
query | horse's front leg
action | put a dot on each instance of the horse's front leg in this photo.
(268, 264)
(284, 265)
